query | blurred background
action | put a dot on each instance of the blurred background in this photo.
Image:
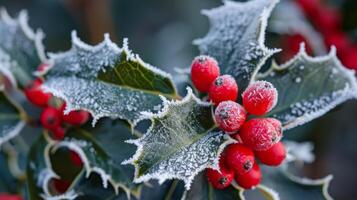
(161, 32)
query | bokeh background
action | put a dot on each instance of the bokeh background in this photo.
(161, 32)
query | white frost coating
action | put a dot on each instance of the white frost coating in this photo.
(73, 78)
(236, 37)
(341, 80)
(77, 146)
(70, 195)
(300, 151)
(191, 159)
(11, 132)
(22, 21)
(273, 194)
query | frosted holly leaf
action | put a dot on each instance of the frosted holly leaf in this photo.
(309, 87)
(11, 118)
(21, 49)
(107, 80)
(8, 182)
(102, 149)
(180, 143)
(289, 186)
(236, 38)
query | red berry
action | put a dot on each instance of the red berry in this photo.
(260, 134)
(349, 58)
(224, 88)
(42, 67)
(239, 158)
(59, 133)
(50, 118)
(310, 7)
(4, 196)
(230, 116)
(340, 40)
(204, 70)
(220, 180)
(250, 179)
(260, 97)
(327, 20)
(76, 159)
(273, 156)
(76, 118)
(61, 186)
(35, 94)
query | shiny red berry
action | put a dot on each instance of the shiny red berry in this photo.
(59, 133)
(220, 180)
(274, 156)
(260, 134)
(4, 196)
(250, 179)
(230, 116)
(204, 70)
(260, 97)
(224, 88)
(327, 20)
(239, 158)
(35, 94)
(76, 159)
(61, 186)
(76, 118)
(50, 118)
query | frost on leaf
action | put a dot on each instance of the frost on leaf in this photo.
(236, 38)
(11, 122)
(107, 80)
(180, 143)
(309, 87)
(21, 49)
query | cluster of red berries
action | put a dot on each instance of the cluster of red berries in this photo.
(52, 117)
(256, 137)
(328, 21)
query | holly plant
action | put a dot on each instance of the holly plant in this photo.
(98, 122)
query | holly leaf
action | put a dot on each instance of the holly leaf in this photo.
(309, 87)
(21, 49)
(236, 38)
(11, 118)
(180, 143)
(107, 80)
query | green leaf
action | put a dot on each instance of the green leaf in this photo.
(293, 187)
(309, 87)
(107, 81)
(102, 150)
(236, 38)
(180, 143)
(11, 119)
(21, 49)
(8, 182)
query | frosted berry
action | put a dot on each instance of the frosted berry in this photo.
(50, 118)
(239, 158)
(77, 161)
(76, 118)
(204, 70)
(220, 180)
(273, 156)
(59, 133)
(35, 94)
(260, 134)
(259, 98)
(250, 179)
(230, 116)
(224, 88)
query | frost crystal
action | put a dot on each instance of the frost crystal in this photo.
(179, 144)
(236, 38)
(107, 80)
(309, 87)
